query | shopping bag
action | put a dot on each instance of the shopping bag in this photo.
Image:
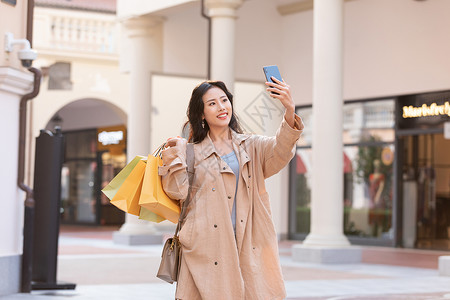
(148, 215)
(111, 189)
(153, 196)
(127, 197)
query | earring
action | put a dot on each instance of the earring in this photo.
(203, 123)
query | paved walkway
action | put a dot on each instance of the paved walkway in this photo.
(103, 270)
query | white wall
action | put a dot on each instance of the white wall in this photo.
(13, 19)
(10, 202)
(13, 84)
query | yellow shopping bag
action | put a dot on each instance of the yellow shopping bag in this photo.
(127, 197)
(153, 196)
(113, 186)
(148, 215)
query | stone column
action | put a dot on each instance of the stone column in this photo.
(144, 56)
(326, 242)
(223, 15)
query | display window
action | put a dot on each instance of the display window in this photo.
(368, 137)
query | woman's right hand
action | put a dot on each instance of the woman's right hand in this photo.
(175, 141)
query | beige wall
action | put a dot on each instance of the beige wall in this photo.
(12, 20)
(93, 57)
(390, 48)
(127, 8)
(91, 80)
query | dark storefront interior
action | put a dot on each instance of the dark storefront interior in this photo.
(425, 170)
(92, 158)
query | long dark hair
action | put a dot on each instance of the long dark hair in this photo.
(195, 112)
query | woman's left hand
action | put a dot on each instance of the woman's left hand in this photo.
(281, 90)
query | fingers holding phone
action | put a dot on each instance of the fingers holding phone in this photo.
(277, 88)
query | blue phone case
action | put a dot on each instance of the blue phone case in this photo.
(270, 71)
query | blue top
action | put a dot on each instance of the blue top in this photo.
(233, 163)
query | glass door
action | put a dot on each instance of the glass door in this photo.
(426, 192)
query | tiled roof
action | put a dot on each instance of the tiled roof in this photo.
(106, 6)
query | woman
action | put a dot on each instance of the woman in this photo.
(229, 244)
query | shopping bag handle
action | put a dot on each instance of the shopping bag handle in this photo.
(158, 151)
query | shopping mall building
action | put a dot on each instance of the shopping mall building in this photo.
(370, 79)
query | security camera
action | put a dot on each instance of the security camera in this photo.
(26, 55)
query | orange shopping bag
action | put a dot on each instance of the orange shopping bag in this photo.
(127, 197)
(153, 196)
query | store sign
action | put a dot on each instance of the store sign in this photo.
(426, 110)
(110, 137)
(423, 111)
(447, 130)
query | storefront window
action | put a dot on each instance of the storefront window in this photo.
(78, 197)
(368, 191)
(368, 136)
(303, 173)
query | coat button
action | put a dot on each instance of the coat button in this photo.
(229, 197)
(249, 176)
(242, 221)
(215, 225)
(216, 263)
(213, 189)
(224, 168)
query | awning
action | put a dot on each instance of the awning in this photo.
(301, 169)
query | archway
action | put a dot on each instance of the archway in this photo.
(87, 113)
(95, 151)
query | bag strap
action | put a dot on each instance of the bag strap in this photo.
(190, 160)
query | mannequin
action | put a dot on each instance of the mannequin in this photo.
(376, 185)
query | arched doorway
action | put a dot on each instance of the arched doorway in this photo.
(95, 151)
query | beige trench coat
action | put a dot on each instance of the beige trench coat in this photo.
(216, 264)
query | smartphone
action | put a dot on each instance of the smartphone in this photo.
(270, 71)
